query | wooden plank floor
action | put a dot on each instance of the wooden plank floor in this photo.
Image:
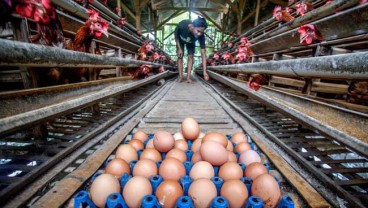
(188, 100)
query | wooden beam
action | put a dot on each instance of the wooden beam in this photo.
(143, 4)
(211, 20)
(218, 3)
(257, 12)
(168, 35)
(127, 10)
(193, 9)
(138, 16)
(176, 13)
(155, 5)
(233, 6)
(253, 12)
(280, 2)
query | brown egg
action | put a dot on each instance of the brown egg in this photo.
(231, 157)
(216, 137)
(150, 144)
(265, 186)
(151, 154)
(181, 144)
(140, 135)
(135, 189)
(190, 129)
(202, 192)
(214, 153)
(168, 192)
(145, 168)
(196, 157)
(171, 169)
(102, 187)
(126, 152)
(202, 169)
(235, 192)
(254, 170)
(117, 167)
(238, 137)
(163, 141)
(201, 135)
(242, 147)
(137, 144)
(178, 136)
(248, 157)
(230, 170)
(178, 154)
(229, 146)
(196, 145)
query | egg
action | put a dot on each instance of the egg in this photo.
(201, 135)
(202, 191)
(135, 189)
(150, 144)
(102, 187)
(168, 192)
(265, 186)
(178, 154)
(231, 156)
(171, 169)
(196, 145)
(145, 168)
(242, 147)
(214, 153)
(178, 136)
(181, 144)
(196, 157)
(117, 167)
(235, 192)
(151, 154)
(202, 169)
(163, 141)
(137, 144)
(216, 137)
(190, 129)
(126, 152)
(230, 146)
(230, 170)
(238, 137)
(254, 170)
(140, 135)
(248, 157)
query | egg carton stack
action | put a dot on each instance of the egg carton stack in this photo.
(187, 169)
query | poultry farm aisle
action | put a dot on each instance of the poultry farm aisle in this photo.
(188, 100)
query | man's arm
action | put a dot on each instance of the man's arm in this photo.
(204, 63)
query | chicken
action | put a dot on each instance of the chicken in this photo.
(309, 34)
(358, 93)
(145, 50)
(256, 80)
(282, 14)
(303, 8)
(244, 51)
(93, 28)
(227, 58)
(142, 72)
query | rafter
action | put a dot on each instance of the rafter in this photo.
(218, 3)
(176, 13)
(253, 12)
(155, 5)
(211, 20)
(144, 3)
(193, 9)
(127, 10)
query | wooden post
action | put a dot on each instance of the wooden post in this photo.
(118, 6)
(138, 15)
(257, 12)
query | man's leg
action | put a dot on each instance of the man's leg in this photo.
(190, 65)
(180, 68)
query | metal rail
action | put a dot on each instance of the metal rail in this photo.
(27, 54)
(281, 131)
(75, 101)
(89, 131)
(337, 132)
(346, 66)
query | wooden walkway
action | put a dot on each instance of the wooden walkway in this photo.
(188, 100)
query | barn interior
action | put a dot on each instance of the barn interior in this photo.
(93, 112)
